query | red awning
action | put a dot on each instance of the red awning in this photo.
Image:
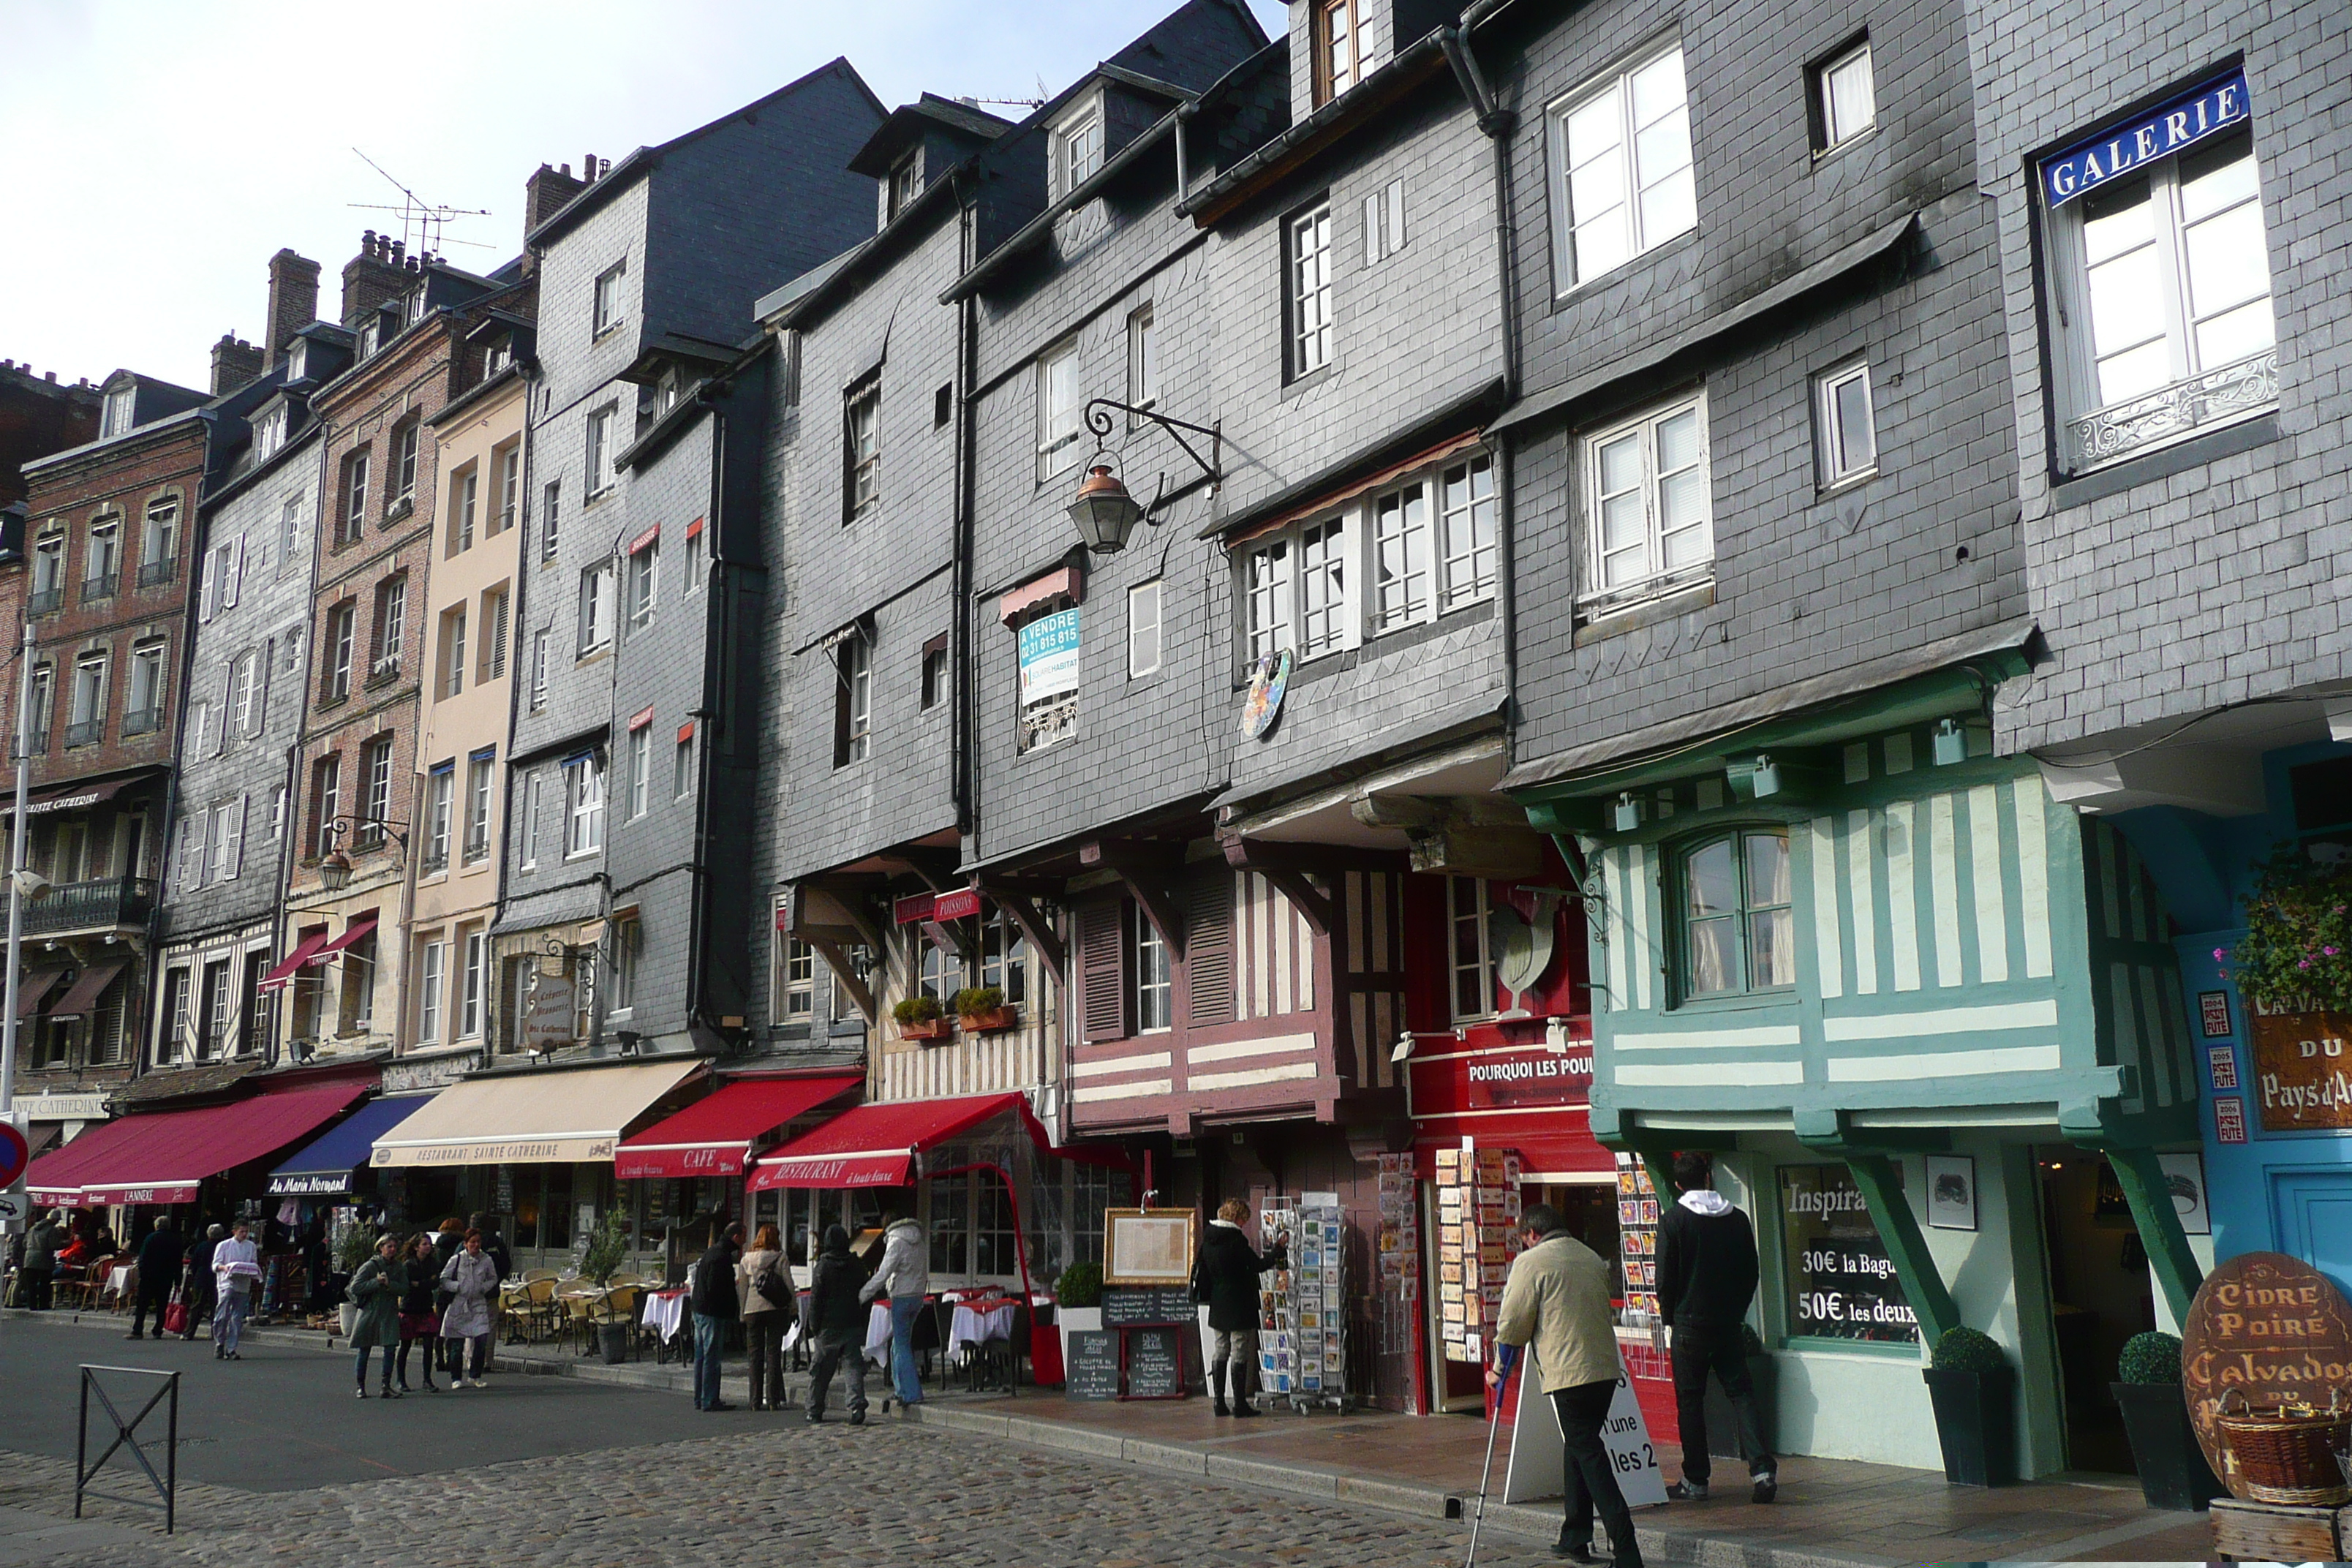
(87, 988)
(304, 952)
(161, 1157)
(876, 1145)
(33, 987)
(713, 1136)
(357, 931)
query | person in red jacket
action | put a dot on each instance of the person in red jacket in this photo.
(1706, 1277)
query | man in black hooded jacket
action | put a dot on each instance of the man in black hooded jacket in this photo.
(835, 1319)
(1706, 1277)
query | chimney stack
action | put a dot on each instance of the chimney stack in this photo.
(234, 362)
(293, 301)
(370, 278)
(545, 191)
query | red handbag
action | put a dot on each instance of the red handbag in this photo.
(175, 1315)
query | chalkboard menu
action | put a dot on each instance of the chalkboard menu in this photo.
(1155, 1363)
(1147, 1304)
(1092, 1369)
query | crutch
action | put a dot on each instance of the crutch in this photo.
(1493, 1425)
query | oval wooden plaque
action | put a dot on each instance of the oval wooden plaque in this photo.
(2269, 1324)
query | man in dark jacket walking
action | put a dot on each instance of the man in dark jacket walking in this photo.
(1224, 1277)
(715, 1304)
(200, 1280)
(835, 1320)
(1706, 1277)
(159, 1275)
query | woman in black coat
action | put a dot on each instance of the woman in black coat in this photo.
(1224, 1277)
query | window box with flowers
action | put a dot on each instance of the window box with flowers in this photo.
(2296, 954)
(981, 1010)
(921, 1019)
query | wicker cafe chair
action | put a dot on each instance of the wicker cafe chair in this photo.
(514, 1312)
(617, 1305)
(87, 1290)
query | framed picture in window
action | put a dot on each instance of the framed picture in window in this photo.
(1952, 1192)
(1148, 1247)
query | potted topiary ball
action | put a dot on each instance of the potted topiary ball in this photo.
(1078, 1301)
(2171, 1463)
(919, 1019)
(1974, 1393)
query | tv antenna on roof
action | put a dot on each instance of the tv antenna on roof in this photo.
(421, 221)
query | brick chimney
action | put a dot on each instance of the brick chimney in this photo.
(373, 277)
(234, 362)
(293, 301)
(545, 193)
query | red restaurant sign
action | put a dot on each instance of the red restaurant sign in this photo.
(1519, 1094)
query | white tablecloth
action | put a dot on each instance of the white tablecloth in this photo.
(877, 1330)
(970, 1328)
(118, 1281)
(665, 1313)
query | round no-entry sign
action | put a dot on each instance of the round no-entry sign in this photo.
(15, 1155)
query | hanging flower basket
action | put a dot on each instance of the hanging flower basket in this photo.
(2297, 955)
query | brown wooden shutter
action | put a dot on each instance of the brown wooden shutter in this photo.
(1209, 947)
(1102, 969)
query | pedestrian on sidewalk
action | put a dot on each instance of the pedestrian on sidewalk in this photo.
(472, 1282)
(711, 1296)
(904, 1278)
(202, 1297)
(420, 1322)
(1224, 1278)
(494, 1244)
(40, 1270)
(765, 1287)
(1706, 1277)
(159, 1275)
(376, 1290)
(835, 1320)
(1557, 1298)
(237, 1271)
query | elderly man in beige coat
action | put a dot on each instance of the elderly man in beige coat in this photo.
(1557, 1298)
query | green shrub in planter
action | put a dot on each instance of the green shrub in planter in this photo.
(1964, 1349)
(2173, 1471)
(2149, 1358)
(974, 1000)
(1969, 1381)
(917, 1009)
(608, 1248)
(1081, 1285)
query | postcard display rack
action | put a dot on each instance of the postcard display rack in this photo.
(1477, 1221)
(1302, 1353)
(1637, 1247)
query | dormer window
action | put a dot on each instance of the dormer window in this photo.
(667, 390)
(1338, 44)
(115, 419)
(607, 302)
(269, 433)
(499, 355)
(370, 338)
(906, 185)
(297, 355)
(1077, 148)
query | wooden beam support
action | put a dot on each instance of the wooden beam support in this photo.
(1882, 1190)
(845, 974)
(1041, 935)
(851, 899)
(936, 867)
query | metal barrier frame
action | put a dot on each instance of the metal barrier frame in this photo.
(125, 1432)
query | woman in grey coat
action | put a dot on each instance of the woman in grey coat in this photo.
(40, 1270)
(376, 1290)
(471, 1277)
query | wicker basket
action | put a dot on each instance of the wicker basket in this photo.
(2287, 1452)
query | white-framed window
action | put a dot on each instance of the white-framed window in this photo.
(342, 622)
(278, 814)
(1142, 359)
(245, 701)
(196, 828)
(289, 533)
(224, 578)
(1470, 954)
(89, 696)
(645, 580)
(1077, 147)
(48, 572)
(1621, 167)
(376, 804)
(602, 427)
(1324, 618)
(403, 461)
(1338, 45)
(2160, 273)
(853, 700)
(1143, 629)
(101, 571)
(1059, 431)
(935, 674)
(551, 516)
(584, 806)
(114, 419)
(44, 680)
(326, 801)
(1846, 99)
(800, 979)
(682, 770)
(1005, 956)
(532, 790)
(696, 559)
(464, 495)
(200, 728)
(641, 769)
(608, 307)
(1309, 242)
(1404, 573)
(862, 448)
(228, 838)
(474, 980)
(506, 507)
(391, 623)
(1845, 431)
(433, 971)
(1267, 595)
(491, 662)
(452, 682)
(595, 607)
(175, 1009)
(440, 787)
(1384, 223)
(481, 773)
(1468, 519)
(1651, 514)
(538, 641)
(142, 709)
(269, 433)
(628, 950)
(906, 185)
(1150, 973)
(159, 543)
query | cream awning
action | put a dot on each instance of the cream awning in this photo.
(536, 1117)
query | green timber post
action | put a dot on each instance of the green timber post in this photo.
(2141, 1176)
(1906, 1249)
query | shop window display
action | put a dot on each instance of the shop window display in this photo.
(1841, 1283)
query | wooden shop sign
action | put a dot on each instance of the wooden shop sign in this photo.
(2303, 1069)
(2269, 1325)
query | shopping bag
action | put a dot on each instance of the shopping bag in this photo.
(175, 1315)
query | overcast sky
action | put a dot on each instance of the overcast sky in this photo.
(156, 154)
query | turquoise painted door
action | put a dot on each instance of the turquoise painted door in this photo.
(2314, 1213)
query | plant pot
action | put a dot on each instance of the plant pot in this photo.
(927, 1029)
(995, 1021)
(1074, 1319)
(1723, 1421)
(613, 1338)
(1975, 1423)
(2172, 1469)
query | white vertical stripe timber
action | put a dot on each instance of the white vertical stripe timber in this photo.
(1992, 917)
(1645, 949)
(1831, 953)
(1302, 946)
(1903, 894)
(2124, 1018)
(1617, 925)
(2033, 874)
(1943, 890)
(1858, 864)
(1280, 911)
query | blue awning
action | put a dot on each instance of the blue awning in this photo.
(323, 1168)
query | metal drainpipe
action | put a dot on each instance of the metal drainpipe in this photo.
(964, 776)
(719, 619)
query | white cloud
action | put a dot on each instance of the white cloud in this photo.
(153, 156)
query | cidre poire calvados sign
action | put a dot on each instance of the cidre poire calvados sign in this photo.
(2271, 1326)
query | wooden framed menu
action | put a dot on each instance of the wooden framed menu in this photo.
(1148, 1247)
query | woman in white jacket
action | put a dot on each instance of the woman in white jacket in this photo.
(905, 1279)
(471, 1277)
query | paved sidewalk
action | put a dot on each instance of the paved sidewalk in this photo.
(1831, 1514)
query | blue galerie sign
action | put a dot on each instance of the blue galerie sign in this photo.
(2212, 109)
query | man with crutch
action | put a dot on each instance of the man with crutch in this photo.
(1557, 1298)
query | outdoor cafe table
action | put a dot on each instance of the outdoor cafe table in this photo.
(971, 1328)
(665, 1313)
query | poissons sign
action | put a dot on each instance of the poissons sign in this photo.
(2211, 110)
(2269, 1326)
